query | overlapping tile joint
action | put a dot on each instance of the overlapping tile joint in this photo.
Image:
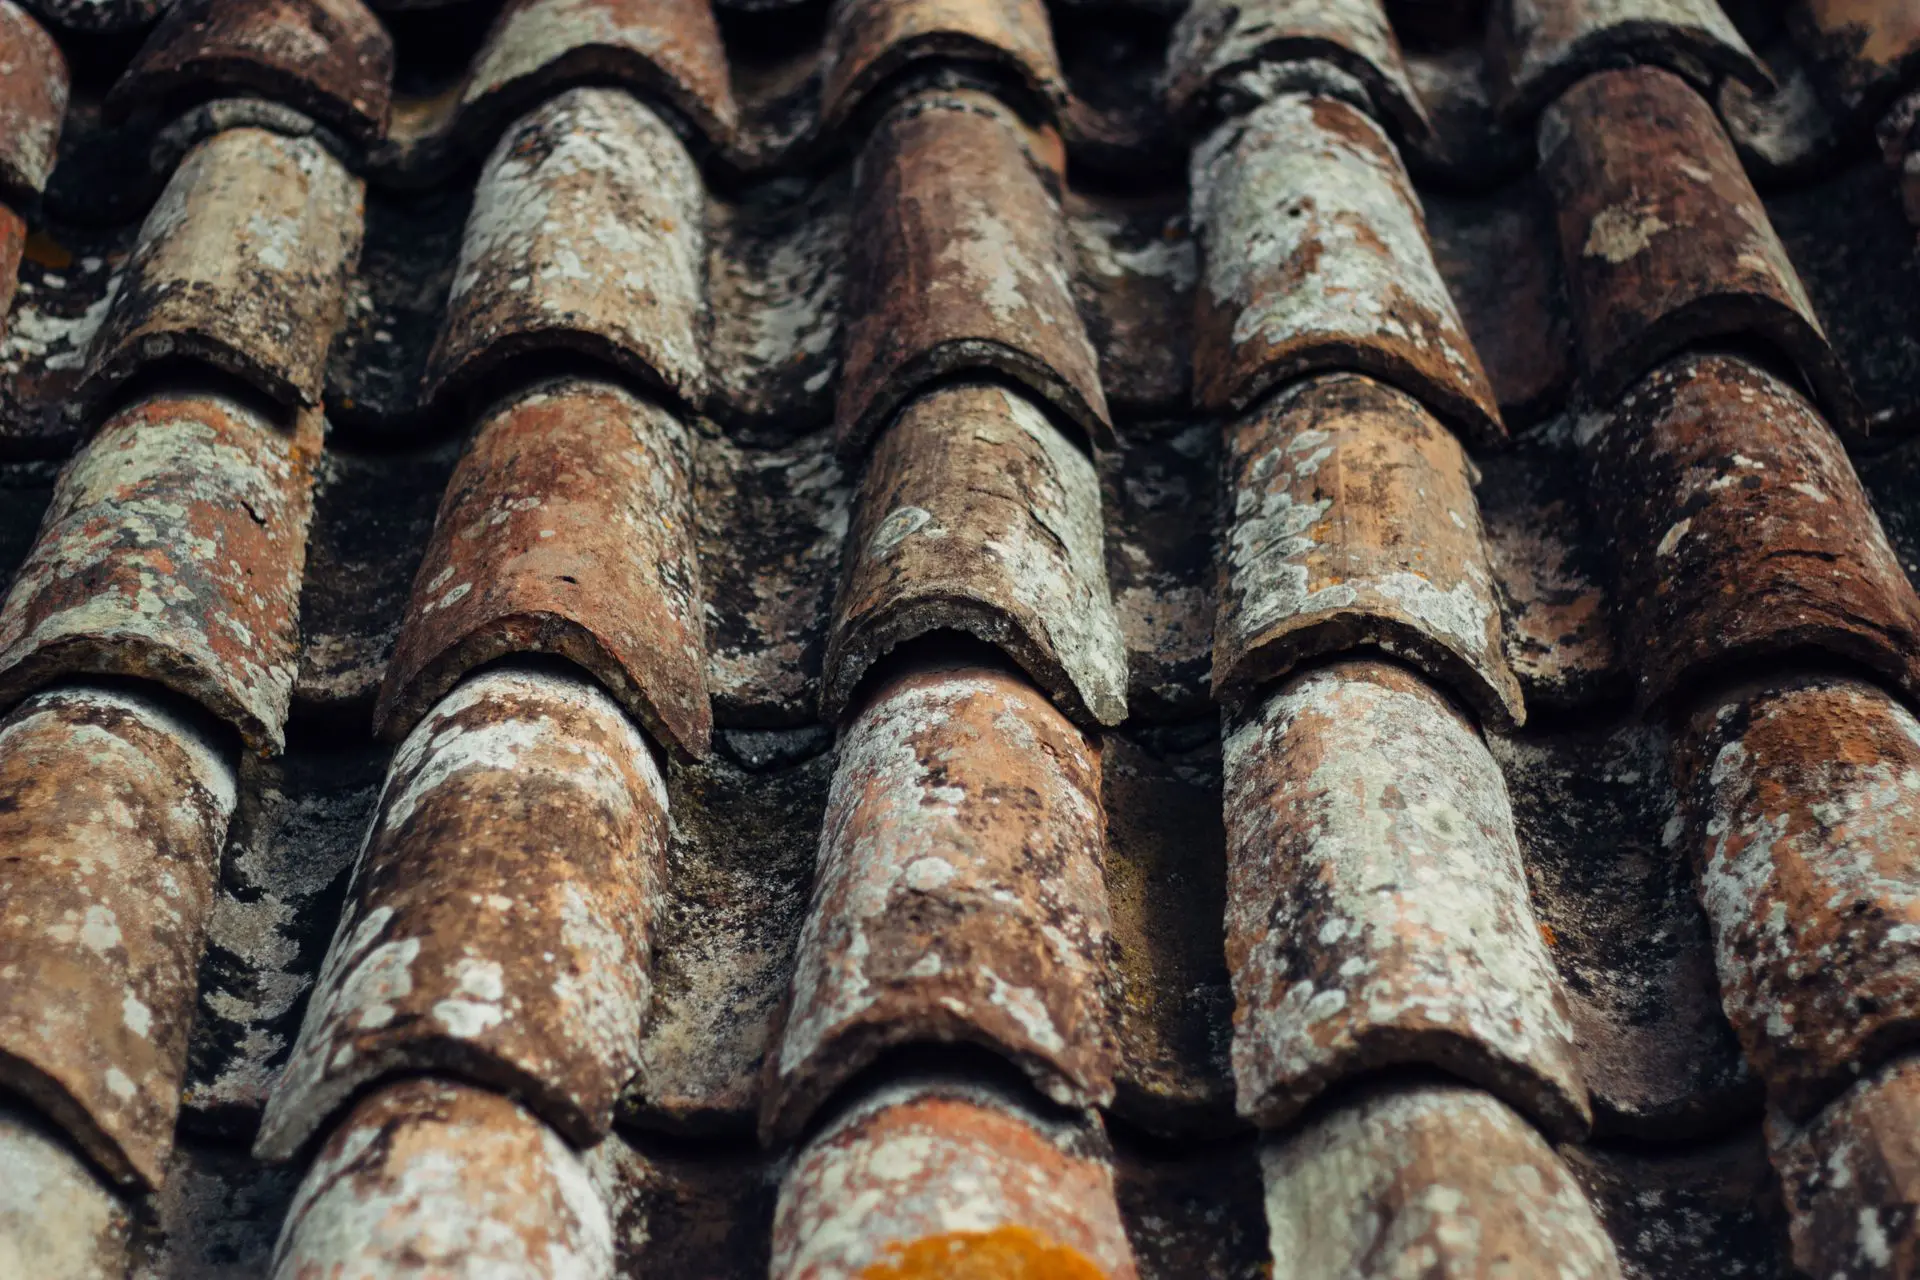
(980, 638)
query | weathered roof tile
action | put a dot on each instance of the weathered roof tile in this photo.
(1377, 910)
(1666, 244)
(1741, 531)
(427, 1176)
(501, 910)
(567, 529)
(1316, 258)
(872, 41)
(1804, 807)
(57, 1222)
(330, 59)
(941, 1177)
(1538, 49)
(33, 103)
(959, 894)
(586, 236)
(1862, 49)
(173, 550)
(114, 809)
(1352, 523)
(242, 264)
(978, 515)
(1852, 1179)
(960, 264)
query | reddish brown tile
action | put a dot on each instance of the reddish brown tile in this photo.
(586, 237)
(1538, 49)
(668, 49)
(959, 895)
(1377, 910)
(1219, 48)
(873, 41)
(1665, 242)
(1431, 1180)
(427, 1177)
(173, 550)
(937, 1178)
(13, 242)
(1352, 524)
(960, 264)
(978, 515)
(243, 264)
(330, 59)
(114, 811)
(1316, 258)
(1852, 1180)
(1742, 532)
(33, 103)
(501, 911)
(566, 529)
(1804, 803)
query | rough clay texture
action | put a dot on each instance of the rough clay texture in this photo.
(961, 263)
(1316, 257)
(1137, 269)
(978, 515)
(173, 550)
(1435, 1181)
(33, 101)
(1217, 44)
(1742, 532)
(330, 59)
(1352, 523)
(1862, 49)
(1804, 801)
(1666, 253)
(1538, 49)
(500, 917)
(1852, 1179)
(567, 528)
(242, 263)
(1377, 910)
(427, 1179)
(959, 894)
(587, 235)
(57, 1222)
(934, 1177)
(112, 810)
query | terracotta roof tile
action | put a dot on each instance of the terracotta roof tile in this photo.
(501, 910)
(979, 515)
(786, 464)
(933, 1177)
(1743, 531)
(538, 272)
(33, 101)
(949, 197)
(173, 550)
(1438, 1179)
(1540, 49)
(958, 897)
(1352, 523)
(428, 1170)
(1220, 51)
(330, 59)
(1342, 278)
(242, 263)
(1377, 910)
(117, 807)
(1662, 253)
(568, 529)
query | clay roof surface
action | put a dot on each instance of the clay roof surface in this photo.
(998, 639)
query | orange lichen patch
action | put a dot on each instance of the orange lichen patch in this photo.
(1004, 1253)
(44, 251)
